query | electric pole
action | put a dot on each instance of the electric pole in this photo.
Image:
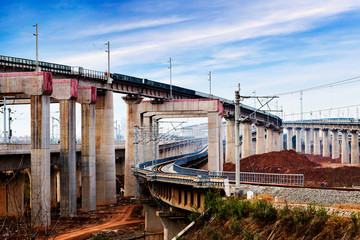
(237, 136)
(5, 140)
(109, 80)
(210, 83)
(170, 67)
(37, 69)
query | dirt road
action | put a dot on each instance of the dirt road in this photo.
(119, 218)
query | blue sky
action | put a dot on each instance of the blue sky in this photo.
(268, 46)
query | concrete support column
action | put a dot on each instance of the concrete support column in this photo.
(88, 157)
(152, 222)
(307, 141)
(214, 126)
(147, 124)
(298, 139)
(105, 150)
(276, 139)
(40, 160)
(289, 138)
(260, 137)
(344, 146)
(269, 140)
(132, 120)
(354, 147)
(67, 158)
(53, 184)
(78, 181)
(316, 141)
(335, 144)
(171, 224)
(325, 141)
(281, 139)
(247, 139)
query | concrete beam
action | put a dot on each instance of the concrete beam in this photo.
(354, 147)
(29, 83)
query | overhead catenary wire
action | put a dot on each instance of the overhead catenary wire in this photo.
(332, 84)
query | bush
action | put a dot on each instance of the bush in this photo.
(262, 211)
(234, 226)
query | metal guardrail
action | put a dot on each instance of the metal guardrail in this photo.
(250, 177)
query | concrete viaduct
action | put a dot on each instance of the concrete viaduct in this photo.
(68, 85)
(312, 131)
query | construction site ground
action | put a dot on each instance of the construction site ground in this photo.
(113, 221)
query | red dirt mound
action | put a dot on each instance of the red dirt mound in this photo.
(273, 162)
(288, 161)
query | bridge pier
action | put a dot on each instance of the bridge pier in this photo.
(344, 146)
(87, 98)
(67, 93)
(67, 158)
(40, 160)
(269, 139)
(325, 141)
(281, 139)
(152, 221)
(260, 137)
(132, 120)
(298, 139)
(247, 139)
(289, 138)
(307, 141)
(172, 225)
(335, 144)
(214, 127)
(317, 141)
(55, 171)
(354, 147)
(105, 150)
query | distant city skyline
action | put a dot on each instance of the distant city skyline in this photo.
(269, 47)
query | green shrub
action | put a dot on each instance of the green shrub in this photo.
(320, 218)
(234, 225)
(262, 211)
(285, 216)
(248, 235)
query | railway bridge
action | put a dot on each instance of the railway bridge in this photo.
(94, 90)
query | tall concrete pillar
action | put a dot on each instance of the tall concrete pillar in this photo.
(152, 222)
(67, 158)
(325, 141)
(78, 181)
(40, 160)
(53, 184)
(105, 150)
(344, 146)
(214, 126)
(307, 141)
(260, 137)
(289, 138)
(281, 139)
(269, 139)
(276, 139)
(354, 147)
(147, 126)
(298, 139)
(316, 141)
(88, 157)
(247, 139)
(171, 224)
(132, 120)
(335, 144)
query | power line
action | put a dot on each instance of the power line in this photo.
(322, 110)
(337, 83)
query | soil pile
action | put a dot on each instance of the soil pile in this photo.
(274, 162)
(288, 161)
